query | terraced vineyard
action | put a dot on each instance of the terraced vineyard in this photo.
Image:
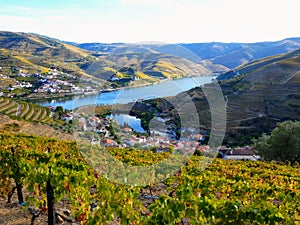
(25, 111)
(252, 108)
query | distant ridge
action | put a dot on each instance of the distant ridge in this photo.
(229, 55)
(117, 63)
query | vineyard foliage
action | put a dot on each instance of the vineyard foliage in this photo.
(224, 192)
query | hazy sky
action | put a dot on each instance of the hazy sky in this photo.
(171, 21)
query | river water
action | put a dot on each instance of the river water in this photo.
(164, 89)
(127, 120)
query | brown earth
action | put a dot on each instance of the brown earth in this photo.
(16, 126)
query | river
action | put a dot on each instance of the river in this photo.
(163, 89)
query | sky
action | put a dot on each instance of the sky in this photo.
(168, 21)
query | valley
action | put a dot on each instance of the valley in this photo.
(148, 133)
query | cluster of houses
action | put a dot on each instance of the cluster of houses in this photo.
(53, 82)
(126, 136)
(19, 85)
(162, 143)
(54, 86)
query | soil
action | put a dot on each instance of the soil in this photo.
(15, 214)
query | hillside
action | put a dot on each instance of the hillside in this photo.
(154, 49)
(29, 118)
(128, 65)
(265, 92)
(141, 63)
(152, 65)
(232, 55)
(36, 53)
(222, 55)
(279, 68)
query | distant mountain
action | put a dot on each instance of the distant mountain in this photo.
(160, 64)
(119, 63)
(265, 92)
(101, 49)
(222, 55)
(97, 47)
(232, 55)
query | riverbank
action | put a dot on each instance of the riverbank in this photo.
(127, 94)
(41, 98)
(61, 96)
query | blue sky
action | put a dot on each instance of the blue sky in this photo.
(170, 21)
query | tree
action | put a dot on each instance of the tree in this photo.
(59, 111)
(282, 145)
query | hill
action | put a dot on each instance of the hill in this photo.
(222, 55)
(25, 111)
(155, 65)
(265, 92)
(142, 62)
(29, 118)
(36, 53)
(232, 55)
(279, 68)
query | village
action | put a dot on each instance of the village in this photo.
(109, 132)
(52, 82)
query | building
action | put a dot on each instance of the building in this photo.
(244, 153)
(109, 143)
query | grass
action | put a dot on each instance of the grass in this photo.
(110, 69)
(4, 102)
(8, 106)
(5, 82)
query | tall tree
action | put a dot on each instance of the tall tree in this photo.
(282, 145)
